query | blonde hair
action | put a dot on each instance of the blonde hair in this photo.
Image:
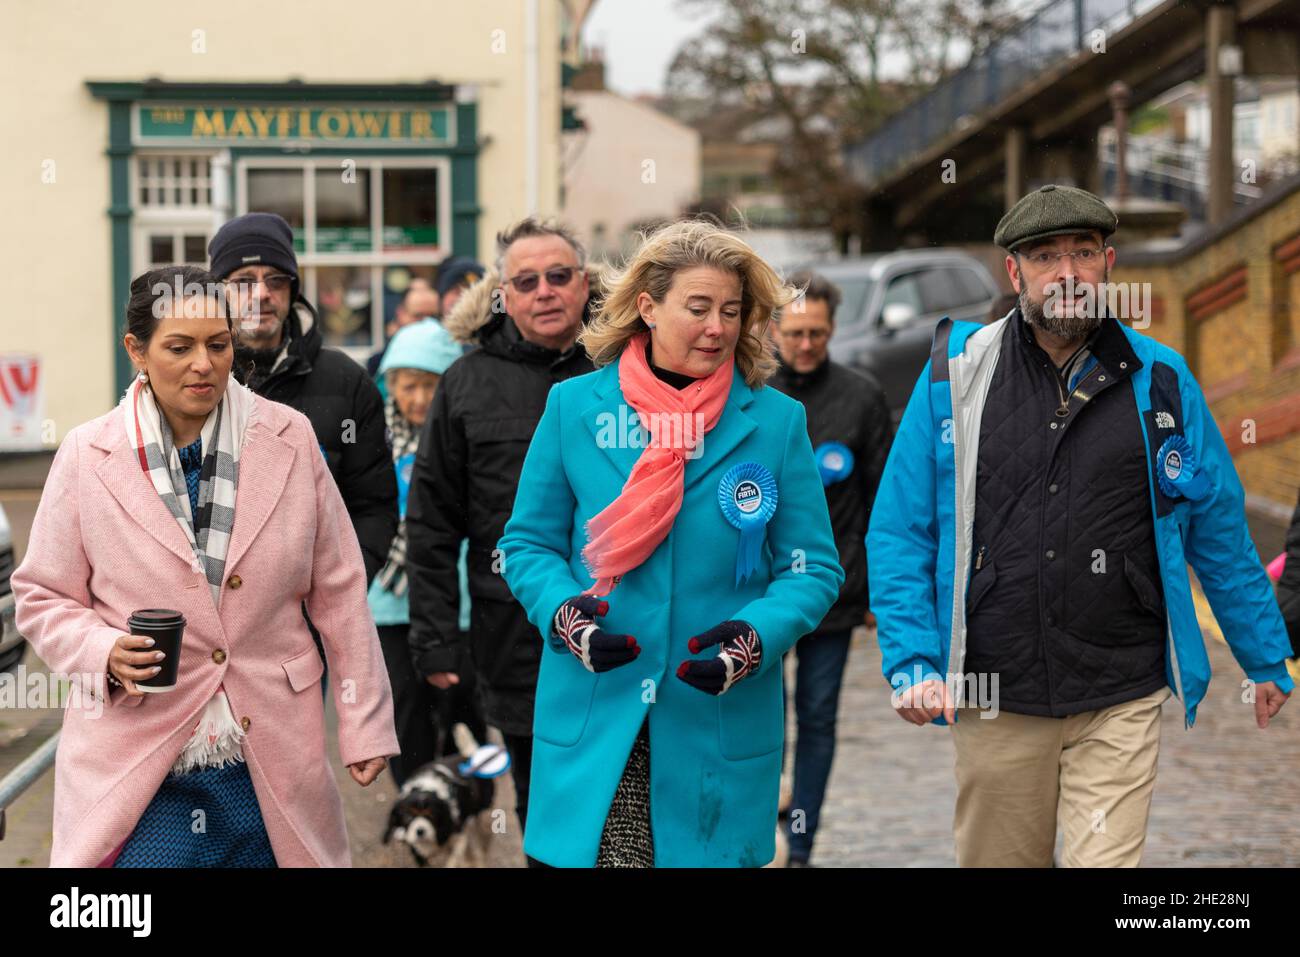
(685, 245)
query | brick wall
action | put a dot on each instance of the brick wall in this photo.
(1232, 307)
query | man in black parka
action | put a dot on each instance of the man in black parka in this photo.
(524, 316)
(280, 356)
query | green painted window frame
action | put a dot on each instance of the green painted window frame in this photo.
(121, 97)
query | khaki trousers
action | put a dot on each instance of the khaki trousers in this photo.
(1018, 775)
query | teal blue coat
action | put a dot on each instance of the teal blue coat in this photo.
(715, 762)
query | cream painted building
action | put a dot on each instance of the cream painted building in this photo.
(631, 165)
(390, 134)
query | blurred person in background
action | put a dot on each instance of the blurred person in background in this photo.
(455, 276)
(280, 355)
(413, 365)
(419, 301)
(849, 426)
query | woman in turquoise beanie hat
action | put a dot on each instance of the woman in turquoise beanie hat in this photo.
(416, 358)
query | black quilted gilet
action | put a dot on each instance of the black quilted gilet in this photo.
(1065, 602)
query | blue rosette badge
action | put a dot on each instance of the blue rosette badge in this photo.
(1177, 472)
(834, 462)
(747, 496)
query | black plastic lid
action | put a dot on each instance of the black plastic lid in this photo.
(157, 616)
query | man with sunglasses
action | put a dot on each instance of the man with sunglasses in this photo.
(849, 426)
(524, 318)
(1052, 478)
(279, 355)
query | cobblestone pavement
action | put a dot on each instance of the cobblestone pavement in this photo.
(1225, 791)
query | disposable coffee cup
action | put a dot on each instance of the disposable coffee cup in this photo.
(165, 627)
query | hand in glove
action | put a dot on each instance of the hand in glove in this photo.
(598, 650)
(741, 653)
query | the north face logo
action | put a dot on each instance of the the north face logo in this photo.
(1164, 420)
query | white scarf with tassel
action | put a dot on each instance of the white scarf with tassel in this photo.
(217, 738)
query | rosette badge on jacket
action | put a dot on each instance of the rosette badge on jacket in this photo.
(1177, 470)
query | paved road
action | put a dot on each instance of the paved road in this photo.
(1225, 792)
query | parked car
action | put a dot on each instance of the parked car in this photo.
(891, 305)
(12, 645)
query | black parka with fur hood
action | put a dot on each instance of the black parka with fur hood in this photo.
(472, 450)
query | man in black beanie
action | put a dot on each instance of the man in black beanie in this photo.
(279, 355)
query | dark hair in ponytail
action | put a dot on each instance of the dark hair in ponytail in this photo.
(169, 286)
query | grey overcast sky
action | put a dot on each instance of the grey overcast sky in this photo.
(639, 39)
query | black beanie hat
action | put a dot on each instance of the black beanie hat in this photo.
(457, 271)
(254, 239)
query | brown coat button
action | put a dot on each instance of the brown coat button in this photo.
(246, 723)
(235, 581)
(219, 656)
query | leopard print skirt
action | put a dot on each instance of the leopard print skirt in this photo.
(626, 840)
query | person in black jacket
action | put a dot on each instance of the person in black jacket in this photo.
(849, 425)
(279, 356)
(467, 470)
(1288, 586)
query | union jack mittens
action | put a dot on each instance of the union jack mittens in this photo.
(741, 652)
(598, 650)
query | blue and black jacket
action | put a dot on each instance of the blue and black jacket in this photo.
(920, 539)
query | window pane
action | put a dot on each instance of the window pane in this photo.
(938, 290)
(196, 249)
(904, 289)
(342, 211)
(160, 250)
(854, 294)
(343, 298)
(279, 191)
(410, 209)
(972, 290)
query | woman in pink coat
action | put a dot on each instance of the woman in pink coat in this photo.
(194, 494)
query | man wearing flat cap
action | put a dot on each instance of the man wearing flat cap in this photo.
(1054, 474)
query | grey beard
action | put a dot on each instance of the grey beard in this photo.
(254, 365)
(1068, 328)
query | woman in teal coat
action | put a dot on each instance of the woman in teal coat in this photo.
(670, 541)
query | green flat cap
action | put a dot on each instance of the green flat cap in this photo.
(1054, 211)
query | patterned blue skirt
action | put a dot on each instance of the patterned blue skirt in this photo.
(228, 833)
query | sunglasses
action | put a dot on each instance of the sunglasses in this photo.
(276, 283)
(527, 281)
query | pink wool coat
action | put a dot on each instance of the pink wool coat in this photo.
(104, 545)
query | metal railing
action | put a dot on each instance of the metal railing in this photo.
(29, 771)
(1177, 172)
(1055, 32)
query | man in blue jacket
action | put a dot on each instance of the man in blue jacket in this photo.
(1053, 475)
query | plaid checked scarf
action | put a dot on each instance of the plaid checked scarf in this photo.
(217, 735)
(406, 441)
